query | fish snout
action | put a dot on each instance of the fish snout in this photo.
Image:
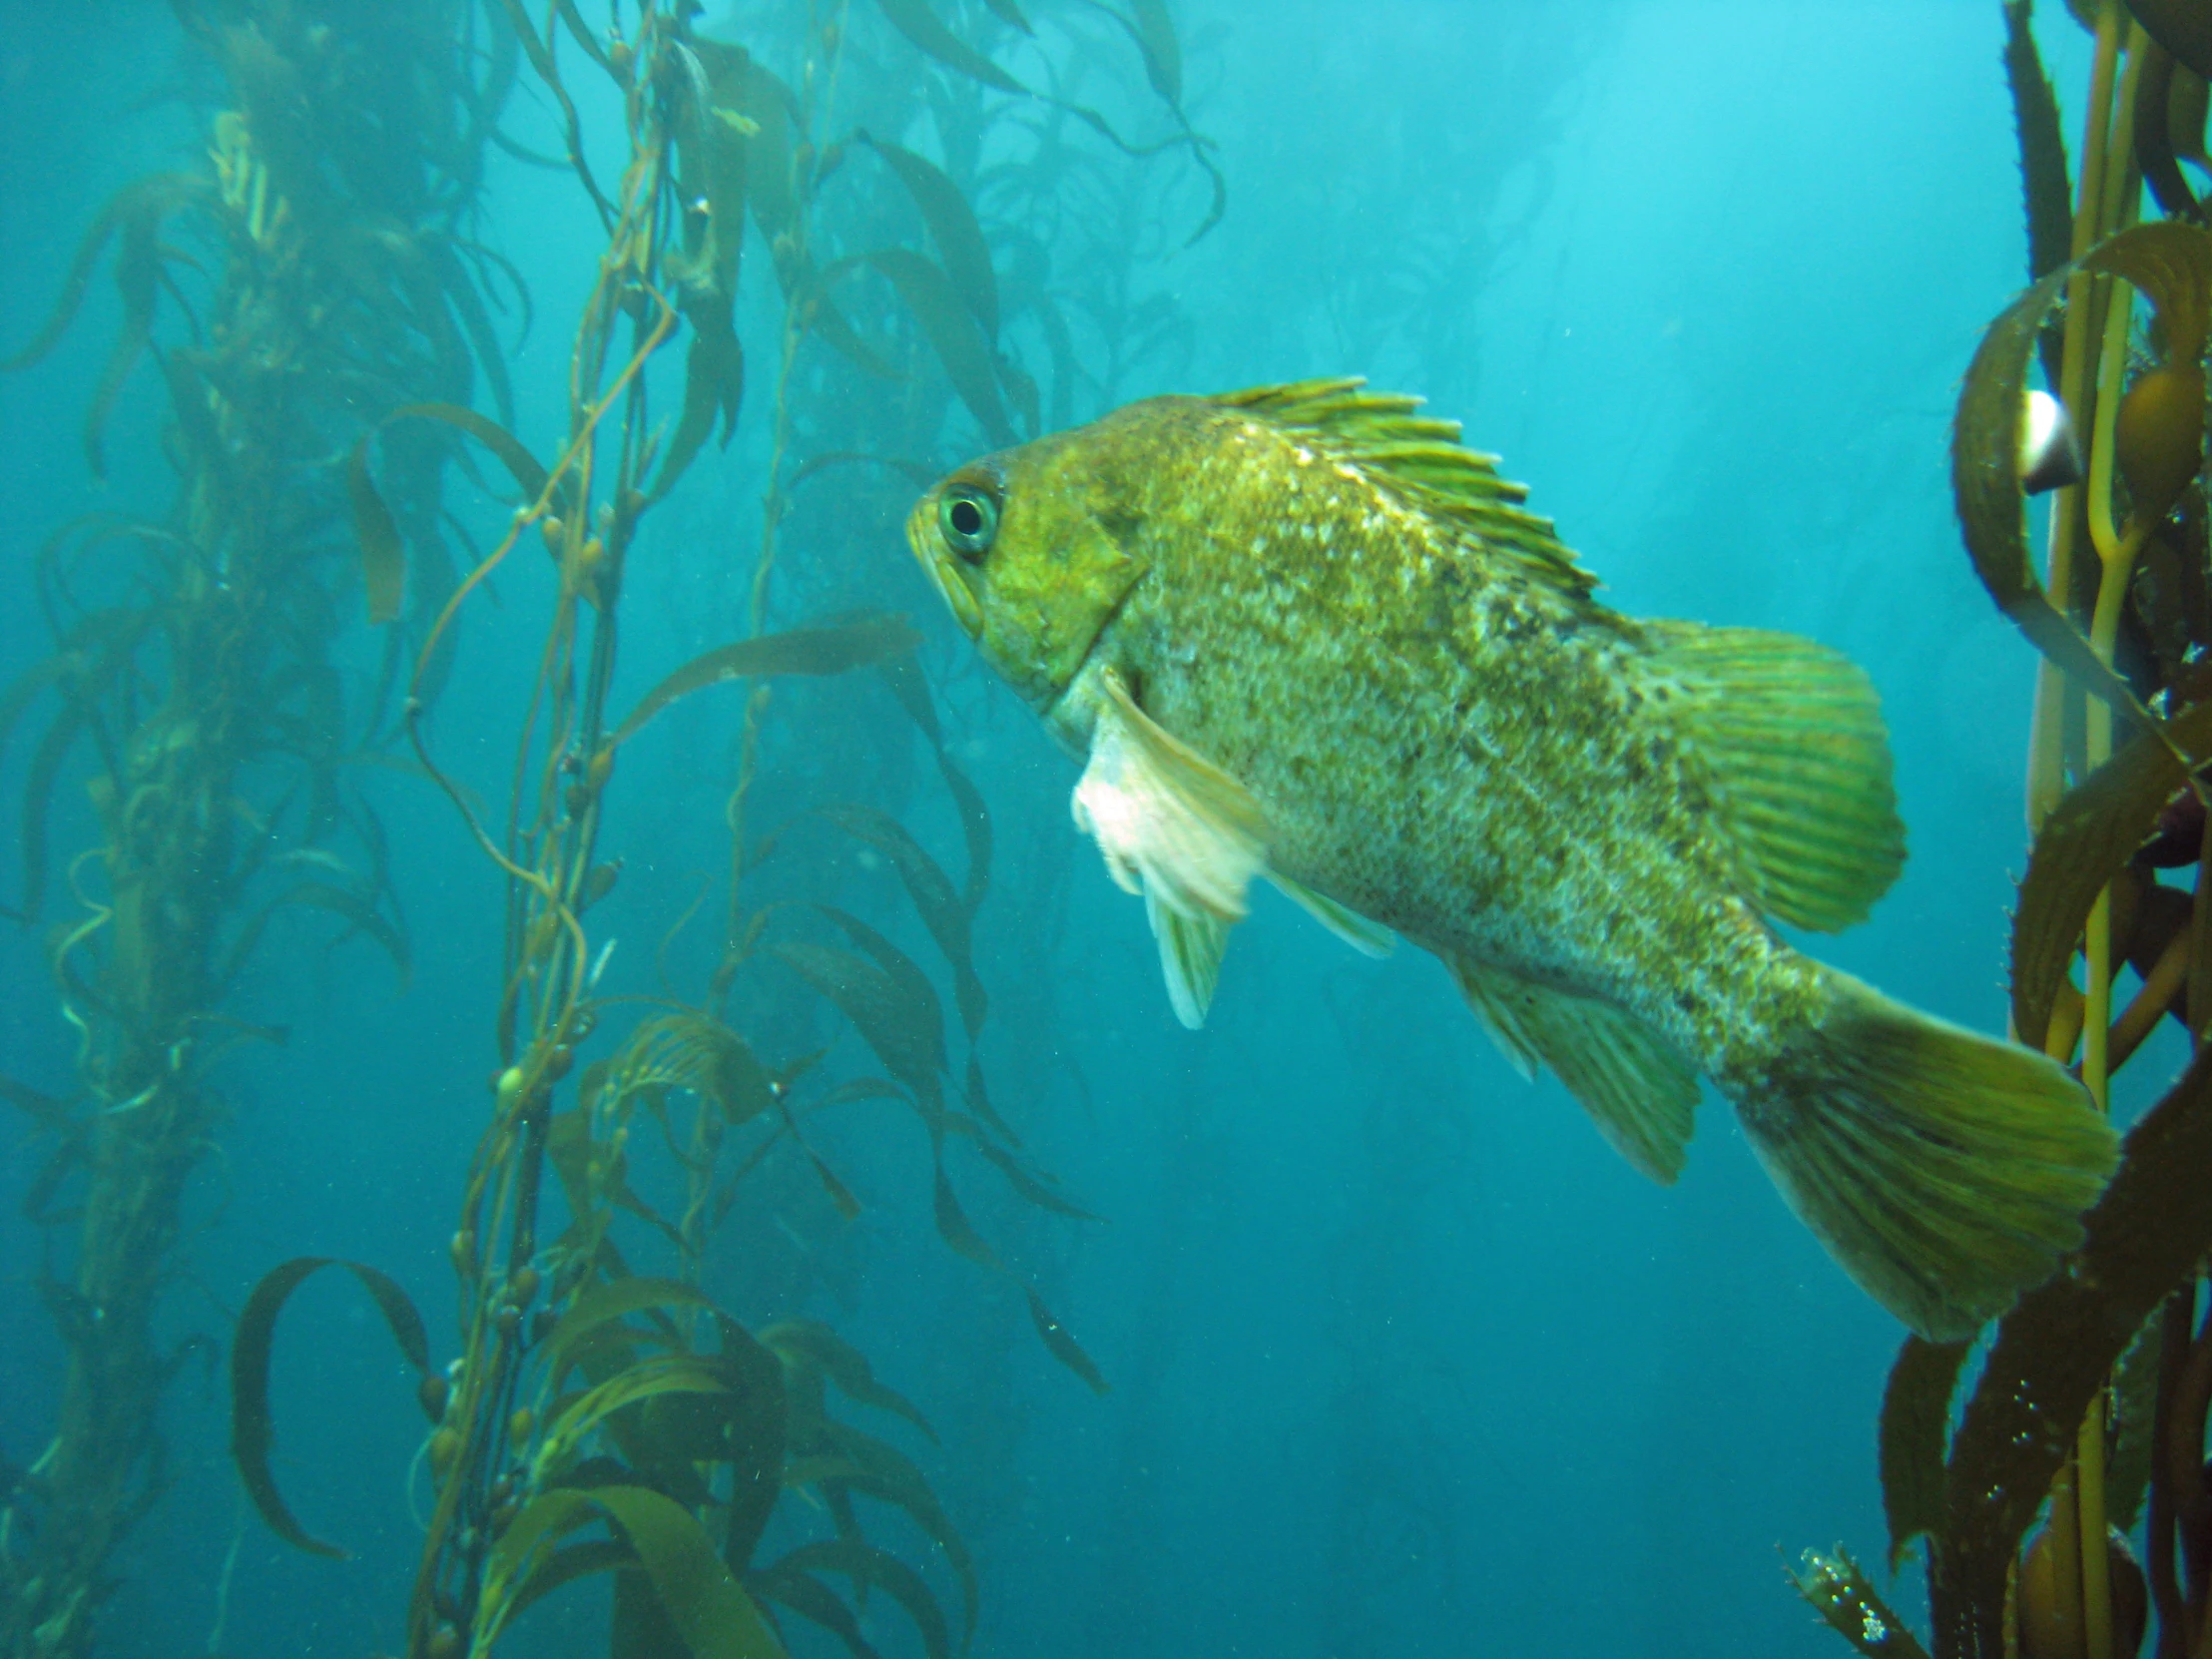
(947, 573)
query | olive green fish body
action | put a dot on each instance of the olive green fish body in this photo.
(1299, 634)
(1467, 757)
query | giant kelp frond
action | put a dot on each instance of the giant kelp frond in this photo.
(1420, 459)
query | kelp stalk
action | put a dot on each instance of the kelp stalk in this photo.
(200, 676)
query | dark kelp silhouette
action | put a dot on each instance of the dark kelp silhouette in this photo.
(316, 267)
(2088, 1402)
(599, 1418)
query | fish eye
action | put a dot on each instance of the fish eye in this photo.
(970, 518)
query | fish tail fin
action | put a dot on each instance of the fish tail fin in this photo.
(1945, 1170)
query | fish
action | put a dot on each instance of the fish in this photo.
(1303, 634)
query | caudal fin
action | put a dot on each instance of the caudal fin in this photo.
(1946, 1171)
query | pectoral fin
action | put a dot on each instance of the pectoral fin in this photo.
(1177, 829)
(1641, 1092)
(1191, 949)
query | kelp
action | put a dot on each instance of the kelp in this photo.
(2080, 1411)
(605, 1411)
(314, 285)
(252, 1431)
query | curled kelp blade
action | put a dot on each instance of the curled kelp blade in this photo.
(1915, 1439)
(252, 1430)
(2087, 841)
(867, 1569)
(965, 256)
(2056, 1351)
(703, 1599)
(832, 649)
(1986, 486)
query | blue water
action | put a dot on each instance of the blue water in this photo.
(1403, 1360)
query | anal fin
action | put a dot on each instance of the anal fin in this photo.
(1639, 1089)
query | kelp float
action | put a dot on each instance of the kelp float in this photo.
(2087, 1409)
(599, 1418)
(315, 264)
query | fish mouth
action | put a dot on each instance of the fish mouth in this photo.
(947, 574)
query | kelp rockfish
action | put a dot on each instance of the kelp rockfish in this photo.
(1300, 633)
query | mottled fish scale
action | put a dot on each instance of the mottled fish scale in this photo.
(1433, 764)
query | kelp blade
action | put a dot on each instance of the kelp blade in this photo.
(1986, 487)
(252, 1431)
(2085, 842)
(818, 651)
(2055, 1349)
(1916, 1432)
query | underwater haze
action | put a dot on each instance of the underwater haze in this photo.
(1399, 1357)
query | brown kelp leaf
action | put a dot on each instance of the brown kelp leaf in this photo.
(813, 1345)
(713, 148)
(1006, 11)
(1029, 1186)
(703, 1600)
(1916, 1432)
(570, 1146)
(360, 910)
(955, 1229)
(2135, 1409)
(829, 649)
(882, 1472)
(2181, 27)
(952, 227)
(2043, 172)
(144, 199)
(933, 896)
(600, 1305)
(252, 1431)
(384, 561)
(38, 793)
(649, 1378)
(1163, 53)
(758, 1438)
(2085, 842)
(512, 453)
(1847, 1604)
(1985, 488)
(923, 26)
(892, 1023)
(911, 687)
(2054, 1350)
(870, 1568)
(979, 1102)
(769, 104)
(2154, 147)
(953, 331)
(813, 1600)
(565, 1565)
(912, 985)
(2172, 264)
(1064, 1348)
(49, 1112)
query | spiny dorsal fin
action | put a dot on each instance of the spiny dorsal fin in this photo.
(1422, 461)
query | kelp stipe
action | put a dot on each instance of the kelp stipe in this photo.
(587, 1394)
(274, 291)
(2089, 1406)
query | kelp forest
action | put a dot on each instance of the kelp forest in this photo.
(553, 997)
(314, 307)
